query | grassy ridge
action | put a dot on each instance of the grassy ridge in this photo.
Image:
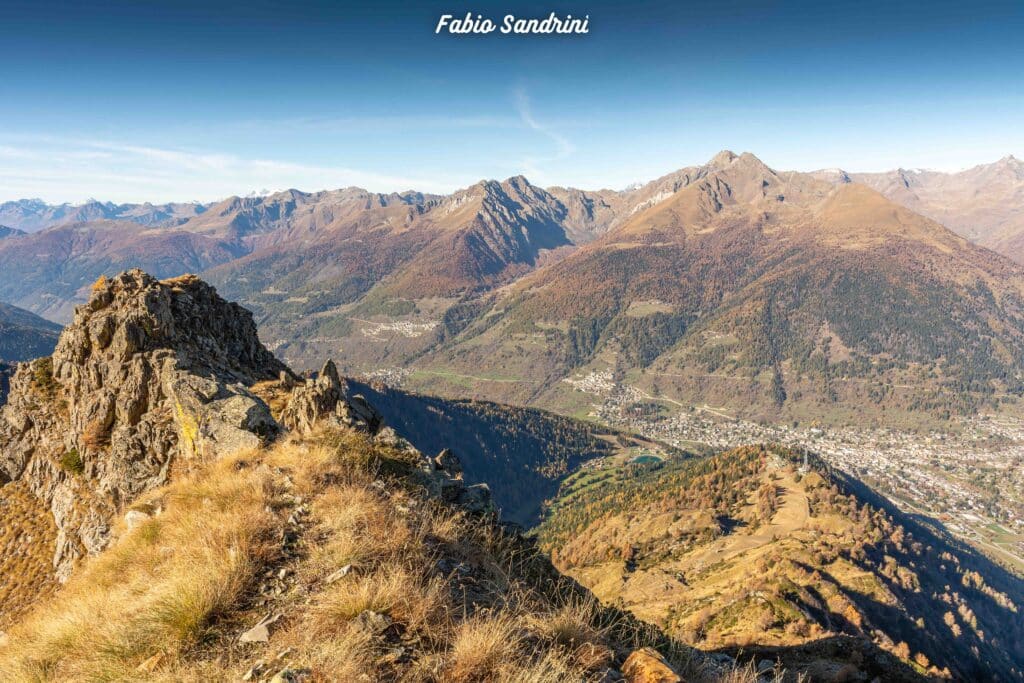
(744, 550)
(425, 592)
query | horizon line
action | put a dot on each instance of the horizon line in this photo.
(263, 193)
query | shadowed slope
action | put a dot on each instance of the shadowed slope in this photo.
(24, 336)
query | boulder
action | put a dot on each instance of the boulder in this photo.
(260, 633)
(476, 498)
(448, 463)
(646, 665)
(134, 518)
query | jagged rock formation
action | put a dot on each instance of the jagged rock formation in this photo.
(152, 376)
(323, 400)
(149, 375)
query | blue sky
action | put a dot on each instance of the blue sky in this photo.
(132, 101)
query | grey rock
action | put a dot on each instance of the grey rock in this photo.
(373, 623)
(260, 633)
(447, 462)
(387, 436)
(450, 490)
(338, 575)
(476, 498)
(721, 658)
(134, 518)
(148, 373)
(288, 675)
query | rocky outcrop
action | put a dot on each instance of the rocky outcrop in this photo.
(150, 375)
(647, 665)
(325, 401)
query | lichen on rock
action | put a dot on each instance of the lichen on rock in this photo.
(148, 374)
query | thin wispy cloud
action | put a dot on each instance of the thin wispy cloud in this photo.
(379, 124)
(69, 169)
(563, 148)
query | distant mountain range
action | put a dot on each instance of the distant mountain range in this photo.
(728, 283)
(985, 203)
(32, 215)
(10, 232)
(748, 287)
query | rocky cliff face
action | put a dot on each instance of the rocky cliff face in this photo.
(150, 375)
(154, 376)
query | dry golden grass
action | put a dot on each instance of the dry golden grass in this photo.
(27, 537)
(571, 625)
(467, 601)
(482, 649)
(96, 435)
(274, 394)
(157, 590)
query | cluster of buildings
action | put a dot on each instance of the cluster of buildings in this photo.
(971, 477)
(405, 328)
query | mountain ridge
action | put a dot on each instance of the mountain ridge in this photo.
(305, 481)
(38, 214)
(721, 244)
(24, 335)
(32, 215)
(984, 203)
(764, 261)
(143, 458)
(769, 545)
